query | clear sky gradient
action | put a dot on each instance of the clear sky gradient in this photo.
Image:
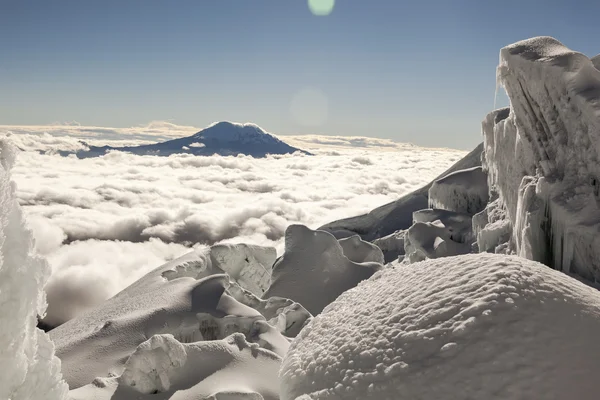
(418, 71)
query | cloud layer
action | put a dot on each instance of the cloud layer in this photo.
(104, 222)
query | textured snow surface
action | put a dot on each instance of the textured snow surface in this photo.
(313, 270)
(479, 326)
(542, 156)
(29, 368)
(189, 298)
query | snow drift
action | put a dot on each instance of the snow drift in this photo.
(30, 369)
(476, 326)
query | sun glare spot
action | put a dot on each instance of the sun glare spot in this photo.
(321, 8)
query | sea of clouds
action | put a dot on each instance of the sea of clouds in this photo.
(104, 222)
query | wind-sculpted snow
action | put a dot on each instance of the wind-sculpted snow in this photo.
(542, 155)
(30, 369)
(357, 250)
(314, 270)
(470, 327)
(186, 298)
(163, 368)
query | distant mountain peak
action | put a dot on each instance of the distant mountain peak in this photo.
(223, 138)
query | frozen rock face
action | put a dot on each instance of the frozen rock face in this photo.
(162, 368)
(464, 191)
(314, 271)
(30, 369)
(475, 326)
(187, 298)
(542, 155)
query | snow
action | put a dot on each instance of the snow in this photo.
(478, 326)
(464, 191)
(548, 181)
(31, 371)
(162, 368)
(359, 251)
(397, 215)
(187, 298)
(313, 270)
(391, 245)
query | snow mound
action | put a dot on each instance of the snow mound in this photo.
(357, 250)
(464, 191)
(548, 184)
(186, 298)
(30, 369)
(313, 270)
(162, 368)
(476, 326)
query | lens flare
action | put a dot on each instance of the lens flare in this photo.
(321, 8)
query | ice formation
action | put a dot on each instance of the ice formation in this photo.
(464, 191)
(189, 298)
(541, 157)
(30, 369)
(314, 270)
(478, 326)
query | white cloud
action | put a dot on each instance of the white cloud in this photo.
(104, 222)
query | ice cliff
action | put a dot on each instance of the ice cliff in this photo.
(541, 156)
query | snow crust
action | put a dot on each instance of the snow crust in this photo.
(313, 270)
(478, 326)
(30, 368)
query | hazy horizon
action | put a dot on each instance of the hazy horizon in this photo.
(420, 73)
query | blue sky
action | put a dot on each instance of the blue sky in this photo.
(420, 71)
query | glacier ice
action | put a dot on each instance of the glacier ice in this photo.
(541, 155)
(30, 368)
(478, 326)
